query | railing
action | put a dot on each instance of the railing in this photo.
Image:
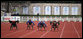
(51, 18)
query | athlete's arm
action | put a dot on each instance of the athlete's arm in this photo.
(44, 24)
(38, 23)
(27, 22)
(33, 22)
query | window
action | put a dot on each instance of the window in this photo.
(74, 10)
(57, 10)
(65, 10)
(25, 10)
(47, 10)
(15, 10)
(36, 10)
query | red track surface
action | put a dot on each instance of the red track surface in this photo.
(66, 30)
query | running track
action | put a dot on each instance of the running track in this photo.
(66, 30)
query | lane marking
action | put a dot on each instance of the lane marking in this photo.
(6, 28)
(10, 31)
(76, 30)
(62, 31)
(27, 34)
(44, 34)
(14, 32)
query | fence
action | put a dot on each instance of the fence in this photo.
(40, 18)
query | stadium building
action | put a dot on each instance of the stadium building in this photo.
(48, 10)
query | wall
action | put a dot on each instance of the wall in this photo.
(42, 6)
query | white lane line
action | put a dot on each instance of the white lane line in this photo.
(15, 32)
(12, 33)
(62, 31)
(76, 31)
(27, 34)
(44, 34)
(8, 30)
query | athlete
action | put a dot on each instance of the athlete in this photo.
(54, 25)
(50, 22)
(13, 24)
(58, 23)
(30, 24)
(41, 24)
